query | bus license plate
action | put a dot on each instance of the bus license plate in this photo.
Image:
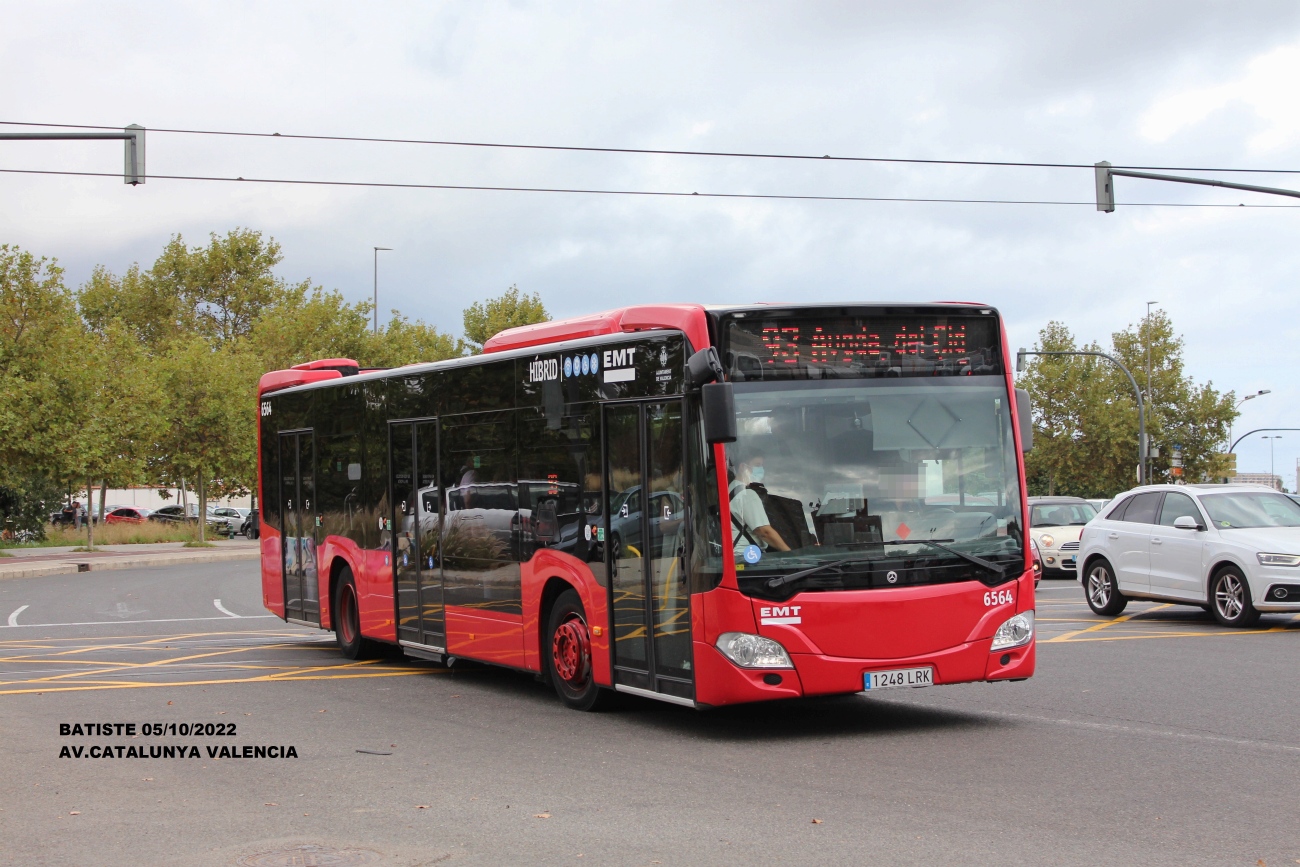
(898, 677)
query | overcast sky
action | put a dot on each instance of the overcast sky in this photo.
(1207, 85)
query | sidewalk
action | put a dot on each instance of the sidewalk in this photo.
(35, 562)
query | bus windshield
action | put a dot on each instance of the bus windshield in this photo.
(905, 480)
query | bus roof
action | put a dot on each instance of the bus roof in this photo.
(687, 318)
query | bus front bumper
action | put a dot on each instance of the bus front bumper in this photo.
(719, 681)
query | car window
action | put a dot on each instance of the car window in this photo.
(1062, 514)
(1177, 506)
(1143, 508)
(1116, 512)
(1240, 510)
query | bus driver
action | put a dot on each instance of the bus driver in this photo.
(749, 521)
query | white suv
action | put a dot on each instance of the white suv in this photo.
(1233, 549)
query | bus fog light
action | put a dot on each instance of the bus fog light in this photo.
(1015, 632)
(753, 651)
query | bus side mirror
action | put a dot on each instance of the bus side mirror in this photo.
(718, 412)
(1025, 411)
(703, 367)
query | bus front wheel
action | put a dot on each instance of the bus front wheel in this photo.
(568, 654)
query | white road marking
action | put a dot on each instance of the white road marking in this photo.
(118, 622)
(224, 610)
(13, 618)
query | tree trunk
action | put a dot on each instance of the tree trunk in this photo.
(90, 515)
(203, 509)
(103, 492)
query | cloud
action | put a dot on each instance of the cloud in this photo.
(1267, 87)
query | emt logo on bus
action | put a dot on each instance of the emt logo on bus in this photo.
(618, 364)
(779, 615)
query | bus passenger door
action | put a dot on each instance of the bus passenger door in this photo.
(645, 546)
(417, 526)
(298, 527)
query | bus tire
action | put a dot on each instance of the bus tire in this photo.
(347, 619)
(566, 647)
(1102, 589)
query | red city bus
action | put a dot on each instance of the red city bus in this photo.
(702, 505)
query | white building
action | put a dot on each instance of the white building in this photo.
(1274, 482)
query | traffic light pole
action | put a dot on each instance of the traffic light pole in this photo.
(1142, 416)
(1106, 187)
(133, 135)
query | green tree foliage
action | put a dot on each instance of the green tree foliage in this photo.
(41, 339)
(26, 501)
(150, 376)
(1086, 418)
(487, 318)
(208, 436)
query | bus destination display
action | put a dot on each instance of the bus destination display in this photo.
(808, 347)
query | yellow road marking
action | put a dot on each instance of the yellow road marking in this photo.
(263, 679)
(1100, 626)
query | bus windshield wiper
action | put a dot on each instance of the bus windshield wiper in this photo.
(996, 568)
(834, 566)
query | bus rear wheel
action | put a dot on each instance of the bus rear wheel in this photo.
(567, 648)
(347, 619)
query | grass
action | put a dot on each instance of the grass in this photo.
(112, 534)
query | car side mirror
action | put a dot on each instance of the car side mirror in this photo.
(1187, 522)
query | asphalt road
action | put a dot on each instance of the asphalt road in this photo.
(1158, 739)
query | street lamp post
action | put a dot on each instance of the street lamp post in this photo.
(377, 249)
(1146, 449)
(1260, 393)
(1270, 454)
(1142, 417)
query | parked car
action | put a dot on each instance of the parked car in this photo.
(232, 517)
(126, 515)
(1232, 549)
(1098, 506)
(1055, 524)
(251, 526)
(67, 515)
(177, 515)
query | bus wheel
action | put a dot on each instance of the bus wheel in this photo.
(568, 654)
(347, 619)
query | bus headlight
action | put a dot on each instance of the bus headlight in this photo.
(753, 651)
(1015, 632)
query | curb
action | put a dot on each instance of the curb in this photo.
(72, 564)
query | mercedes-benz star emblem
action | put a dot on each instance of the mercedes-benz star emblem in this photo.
(892, 577)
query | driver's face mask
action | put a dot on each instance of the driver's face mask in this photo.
(756, 473)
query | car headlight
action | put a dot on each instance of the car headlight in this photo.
(1046, 540)
(1015, 632)
(1279, 559)
(753, 651)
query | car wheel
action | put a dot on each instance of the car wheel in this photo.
(1102, 590)
(347, 620)
(568, 655)
(1230, 601)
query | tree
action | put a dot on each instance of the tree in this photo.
(487, 318)
(1086, 419)
(209, 421)
(41, 344)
